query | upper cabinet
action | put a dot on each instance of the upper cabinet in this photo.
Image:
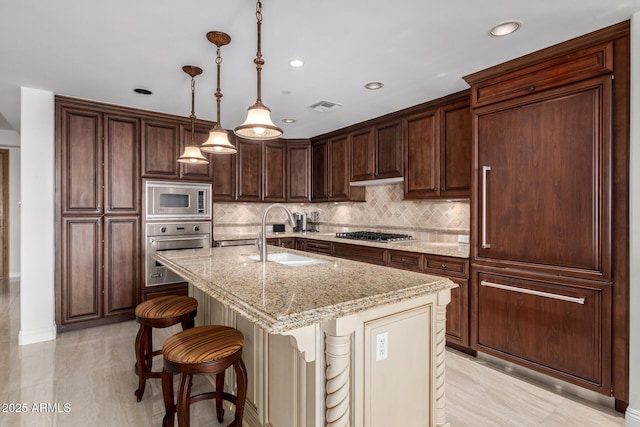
(99, 161)
(331, 171)
(249, 170)
(298, 177)
(437, 152)
(274, 166)
(376, 152)
(193, 171)
(160, 149)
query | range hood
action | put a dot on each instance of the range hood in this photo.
(383, 181)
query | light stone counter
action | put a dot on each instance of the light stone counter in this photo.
(280, 298)
(420, 246)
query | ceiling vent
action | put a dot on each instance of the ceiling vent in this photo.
(324, 106)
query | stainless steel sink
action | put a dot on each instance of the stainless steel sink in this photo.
(293, 260)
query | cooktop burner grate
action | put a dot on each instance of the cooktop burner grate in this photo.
(374, 236)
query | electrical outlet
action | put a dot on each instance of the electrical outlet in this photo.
(382, 346)
(463, 238)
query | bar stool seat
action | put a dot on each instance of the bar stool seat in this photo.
(160, 312)
(207, 350)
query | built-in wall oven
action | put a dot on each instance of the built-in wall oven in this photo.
(171, 236)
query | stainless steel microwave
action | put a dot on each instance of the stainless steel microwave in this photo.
(178, 200)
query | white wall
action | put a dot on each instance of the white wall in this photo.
(37, 297)
(633, 411)
(10, 140)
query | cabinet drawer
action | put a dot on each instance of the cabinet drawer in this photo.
(556, 328)
(447, 266)
(580, 65)
(405, 260)
(368, 254)
(317, 247)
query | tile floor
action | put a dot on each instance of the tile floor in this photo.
(85, 378)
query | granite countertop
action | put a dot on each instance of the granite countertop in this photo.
(434, 248)
(280, 298)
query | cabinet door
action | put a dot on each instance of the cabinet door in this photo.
(80, 145)
(298, 172)
(339, 152)
(320, 171)
(122, 165)
(81, 270)
(192, 171)
(421, 158)
(363, 156)
(249, 170)
(388, 155)
(548, 326)
(455, 150)
(160, 149)
(121, 264)
(458, 314)
(274, 166)
(548, 188)
(224, 177)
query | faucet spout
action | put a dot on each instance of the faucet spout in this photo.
(262, 238)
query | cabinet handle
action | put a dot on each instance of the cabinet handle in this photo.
(485, 169)
(444, 266)
(577, 300)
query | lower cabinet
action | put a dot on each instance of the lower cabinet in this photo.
(553, 327)
(99, 270)
(372, 255)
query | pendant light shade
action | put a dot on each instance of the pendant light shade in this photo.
(218, 141)
(192, 152)
(258, 124)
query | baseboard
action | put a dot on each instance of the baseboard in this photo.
(37, 335)
(632, 417)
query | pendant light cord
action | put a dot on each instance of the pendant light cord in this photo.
(218, 90)
(259, 61)
(193, 110)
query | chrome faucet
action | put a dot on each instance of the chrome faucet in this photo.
(262, 237)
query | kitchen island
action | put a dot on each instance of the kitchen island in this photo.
(328, 341)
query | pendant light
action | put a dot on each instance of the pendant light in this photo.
(258, 124)
(218, 142)
(192, 152)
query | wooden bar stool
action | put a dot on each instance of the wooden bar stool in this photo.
(160, 312)
(207, 350)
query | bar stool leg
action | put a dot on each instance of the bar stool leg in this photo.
(184, 400)
(141, 360)
(241, 393)
(219, 389)
(167, 394)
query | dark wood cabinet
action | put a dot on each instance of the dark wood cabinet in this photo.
(331, 168)
(298, 177)
(376, 152)
(320, 171)
(363, 155)
(369, 254)
(98, 253)
(160, 149)
(274, 166)
(80, 150)
(249, 170)
(224, 177)
(547, 291)
(411, 261)
(121, 165)
(437, 145)
(122, 257)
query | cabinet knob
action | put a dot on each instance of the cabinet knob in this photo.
(444, 266)
(531, 88)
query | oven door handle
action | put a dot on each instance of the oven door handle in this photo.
(179, 249)
(175, 239)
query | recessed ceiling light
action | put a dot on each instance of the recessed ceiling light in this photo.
(142, 91)
(374, 85)
(288, 120)
(296, 63)
(505, 28)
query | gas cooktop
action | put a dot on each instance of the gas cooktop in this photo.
(374, 236)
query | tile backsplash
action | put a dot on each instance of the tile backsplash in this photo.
(383, 210)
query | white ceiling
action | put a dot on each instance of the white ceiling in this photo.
(420, 49)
